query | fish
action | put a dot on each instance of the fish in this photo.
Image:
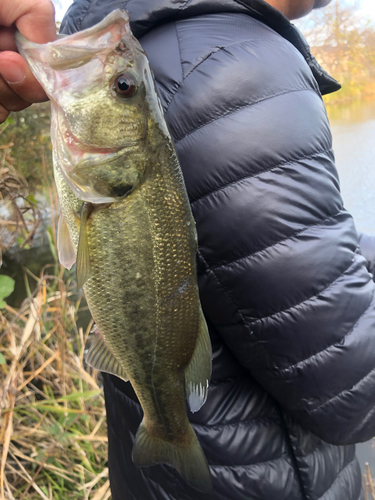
(127, 223)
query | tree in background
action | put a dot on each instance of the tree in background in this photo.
(343, 41)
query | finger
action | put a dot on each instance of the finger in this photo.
(17, 74)
(4, 113)
(9, 99)
(7, 39)
(34, 19)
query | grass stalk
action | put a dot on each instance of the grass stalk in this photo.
(52, 427)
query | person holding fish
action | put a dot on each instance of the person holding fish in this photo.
(286, 293)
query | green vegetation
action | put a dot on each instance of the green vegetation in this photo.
(6, 288)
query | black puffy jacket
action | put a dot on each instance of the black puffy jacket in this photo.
(287, 296)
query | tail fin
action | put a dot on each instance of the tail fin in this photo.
(187, 459)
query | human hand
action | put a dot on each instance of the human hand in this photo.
(35, 19)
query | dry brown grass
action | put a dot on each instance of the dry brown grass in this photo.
(53, 441)
(52, 428)
(368, 484)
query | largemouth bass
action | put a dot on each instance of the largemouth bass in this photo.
(127, 222)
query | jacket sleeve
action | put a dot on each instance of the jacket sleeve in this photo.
(280, 274)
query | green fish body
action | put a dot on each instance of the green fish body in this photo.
(127, 221)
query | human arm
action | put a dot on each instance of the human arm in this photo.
(35, 19)
(279, 273)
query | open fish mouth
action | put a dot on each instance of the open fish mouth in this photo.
(99, 159)
(95, 174)
(81, 156)
(77, 147)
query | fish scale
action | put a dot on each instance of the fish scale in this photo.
(127, 217)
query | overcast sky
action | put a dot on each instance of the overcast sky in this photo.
(62, 5)
(369, 8)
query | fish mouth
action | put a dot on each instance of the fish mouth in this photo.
(100, 158)
(82, 156)
(77, 147)
(95, 174)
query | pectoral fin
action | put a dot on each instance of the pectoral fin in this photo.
(83, 253)
(198, 372)
(99, 356)
(67, 256)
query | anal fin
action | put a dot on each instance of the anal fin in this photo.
(99, 356)
(198, 371)
(66, 253)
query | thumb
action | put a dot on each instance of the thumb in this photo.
(35, 19)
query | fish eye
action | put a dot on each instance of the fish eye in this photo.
(124, 86)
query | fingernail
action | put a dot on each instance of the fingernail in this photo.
(12, 74)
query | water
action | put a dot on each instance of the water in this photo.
(353, 129)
